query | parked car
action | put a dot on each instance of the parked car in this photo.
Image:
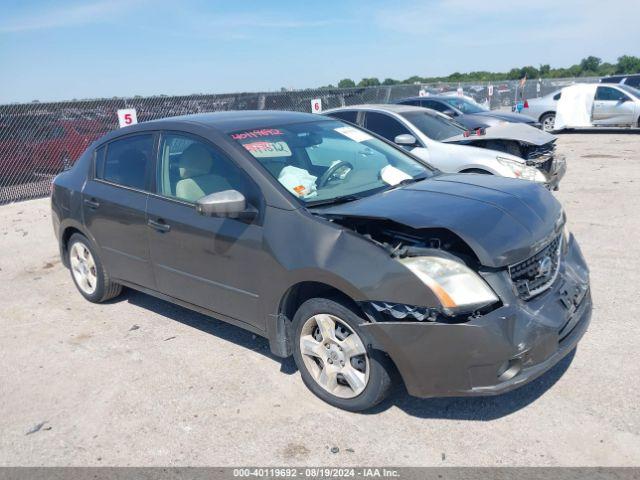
(614, 105)
(516, 151)
(58, 144)
(340, 248)
(467, 112)
(631, 80)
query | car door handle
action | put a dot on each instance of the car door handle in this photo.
(93, 203)
(160, 226)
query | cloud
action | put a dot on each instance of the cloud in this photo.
(68, 16)
(506, 21)
(259, 21)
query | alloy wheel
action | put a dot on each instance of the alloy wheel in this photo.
(334, 355)
(548, 123)
(83, 268)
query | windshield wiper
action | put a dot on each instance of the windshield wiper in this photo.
(334, 201)
(408, 181)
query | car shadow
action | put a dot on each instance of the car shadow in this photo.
(593, 131)
(454, 408)
(207, 324)
(475, 408)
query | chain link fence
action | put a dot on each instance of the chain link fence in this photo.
(39, 140)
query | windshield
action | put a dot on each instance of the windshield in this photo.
(436, 127)
(324, 161)
(633, 91)
(464, 105)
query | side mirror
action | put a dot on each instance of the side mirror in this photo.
(229, 203)
(450, 112)
(405, 140)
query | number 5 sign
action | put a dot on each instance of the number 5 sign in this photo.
(316, 105)
(127, 116)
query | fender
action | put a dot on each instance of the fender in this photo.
(277, 322)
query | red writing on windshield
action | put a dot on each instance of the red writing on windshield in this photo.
(258, 146)
(265, 132)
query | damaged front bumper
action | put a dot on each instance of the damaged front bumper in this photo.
(556, 172)
(496, 352)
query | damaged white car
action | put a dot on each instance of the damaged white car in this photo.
(587, 106)
(508, 150)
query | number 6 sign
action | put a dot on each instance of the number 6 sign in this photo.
(127, 116)
(316, 105)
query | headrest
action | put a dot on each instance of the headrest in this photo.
(195, 161)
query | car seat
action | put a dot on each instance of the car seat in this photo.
(196, 166)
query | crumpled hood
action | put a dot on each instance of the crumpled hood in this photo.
(507, 116)
(519, 132)
(504, 221)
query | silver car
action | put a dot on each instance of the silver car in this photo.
(613, 106)
(448, 146)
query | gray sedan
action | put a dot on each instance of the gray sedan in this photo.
(613, 106)
(467, 112)
(339, 247)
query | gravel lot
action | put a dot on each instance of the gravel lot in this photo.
(139, 381)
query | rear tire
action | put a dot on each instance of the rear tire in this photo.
(335, 359)
(87, 271)
(548, 121)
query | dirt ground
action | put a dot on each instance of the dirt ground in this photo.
(139, 381)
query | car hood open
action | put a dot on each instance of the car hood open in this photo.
(519, 132)
(504, 221)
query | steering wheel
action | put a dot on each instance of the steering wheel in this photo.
(332, 171)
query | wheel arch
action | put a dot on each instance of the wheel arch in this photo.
(548, 112)
(66, 231)
(279, 327)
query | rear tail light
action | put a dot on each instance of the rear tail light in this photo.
(526, 104)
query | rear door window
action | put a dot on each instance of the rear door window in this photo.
(385, 125)
(350, 116)
(126, 161)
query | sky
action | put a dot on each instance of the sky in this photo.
(59, 50)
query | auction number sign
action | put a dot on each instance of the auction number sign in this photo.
(127, 116)
(316, 105)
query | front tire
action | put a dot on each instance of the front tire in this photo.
(87, 271)
(334, 357)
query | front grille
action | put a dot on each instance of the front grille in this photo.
(535, 274)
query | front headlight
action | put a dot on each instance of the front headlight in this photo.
(458, 288)
(521, 170)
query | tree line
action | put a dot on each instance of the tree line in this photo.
(590, 66)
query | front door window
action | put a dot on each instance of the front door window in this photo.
(191, 169)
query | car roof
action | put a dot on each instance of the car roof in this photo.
(231, 121)
(386, 107)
